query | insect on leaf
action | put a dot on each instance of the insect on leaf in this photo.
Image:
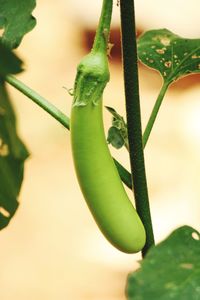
(170, 54)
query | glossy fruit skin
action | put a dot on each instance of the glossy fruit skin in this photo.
(96, 172)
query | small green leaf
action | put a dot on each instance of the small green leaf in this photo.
(12, 156)
(170, 54)
(170, 270)
(16, 20)
(117, 134)
(9, 62)
(114, 137)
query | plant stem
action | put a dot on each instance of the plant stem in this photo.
(60, 117)
(103, 29)
(154, 113)
(130, 67)
(39, 100)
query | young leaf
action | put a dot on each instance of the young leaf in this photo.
(12, 156)
(170, 270)
(9, 62)
(170, 54)
(117, 134)
(114, 137)
(16, 20)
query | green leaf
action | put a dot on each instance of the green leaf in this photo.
(114, 137)
(9, 62)
(12, 156)
(170, 54)
(16, 20)
(170, 270)
(117, 134)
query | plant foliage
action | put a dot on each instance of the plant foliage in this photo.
(170, 270)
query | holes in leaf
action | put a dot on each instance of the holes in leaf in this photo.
(2, 24)
(4, 212)
(1, 32)
(195, 236)
(187, 266)
(4, 150)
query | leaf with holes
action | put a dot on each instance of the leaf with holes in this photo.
(170, 270)
(170, 54)
(12, 156)
(16, 20)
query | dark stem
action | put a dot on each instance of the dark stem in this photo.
(129, 52)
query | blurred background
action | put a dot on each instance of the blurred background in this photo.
(52, 249)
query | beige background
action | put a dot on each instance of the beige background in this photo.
(52, 249)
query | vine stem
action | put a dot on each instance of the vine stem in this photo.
(39, 100)
(103, 29)
(65, 121)
(60, 117)
(154, 113)
(129, 52)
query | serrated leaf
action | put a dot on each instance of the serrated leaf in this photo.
(12, 156)
(171, 270)
(9, 62)
(170, 54)
(16, 20)
(117, 134)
